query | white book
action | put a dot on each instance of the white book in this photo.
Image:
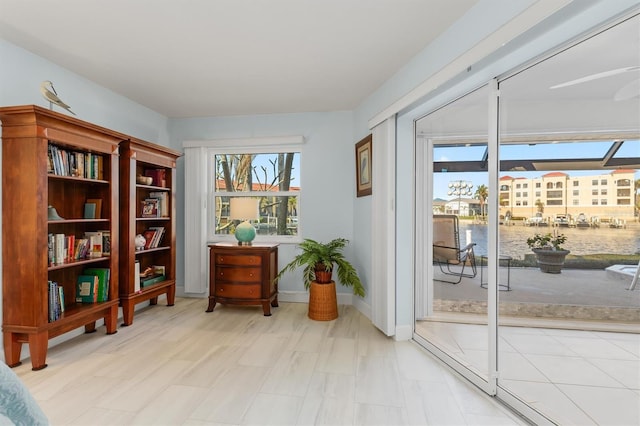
(136, 283)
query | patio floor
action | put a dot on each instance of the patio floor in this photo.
(573, 294)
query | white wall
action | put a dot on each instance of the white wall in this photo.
(327, 173)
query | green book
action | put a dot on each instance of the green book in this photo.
(87, 289)
(154, 279)
(103, 275)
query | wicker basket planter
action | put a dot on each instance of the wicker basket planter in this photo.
(323, 303)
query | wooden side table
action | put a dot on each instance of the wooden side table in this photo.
(243, 275)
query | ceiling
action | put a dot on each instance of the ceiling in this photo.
(201, 58)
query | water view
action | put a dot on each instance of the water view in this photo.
(581, 241)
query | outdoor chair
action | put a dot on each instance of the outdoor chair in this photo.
(447, 253)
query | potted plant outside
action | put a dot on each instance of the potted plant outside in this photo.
(549, 251)
(318, 260)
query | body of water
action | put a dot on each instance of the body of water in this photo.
(581, 241)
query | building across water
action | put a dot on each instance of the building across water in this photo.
(605, 197)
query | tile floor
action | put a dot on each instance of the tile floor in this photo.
(575, 377)
(182, 366)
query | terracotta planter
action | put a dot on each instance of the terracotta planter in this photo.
(550, 261)
(322, 276)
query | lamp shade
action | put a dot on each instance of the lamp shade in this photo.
(244, 208)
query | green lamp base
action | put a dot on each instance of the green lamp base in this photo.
(245, 233)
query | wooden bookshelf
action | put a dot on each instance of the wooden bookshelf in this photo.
(29, 185)
(140, 158)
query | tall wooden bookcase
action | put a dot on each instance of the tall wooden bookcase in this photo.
(140, 158)
(29, 185)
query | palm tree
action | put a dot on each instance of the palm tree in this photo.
(482, 193)
(540, 205)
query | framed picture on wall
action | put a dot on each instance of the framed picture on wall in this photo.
(363, 166)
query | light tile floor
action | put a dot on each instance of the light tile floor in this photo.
(181, 366)
(575, 377)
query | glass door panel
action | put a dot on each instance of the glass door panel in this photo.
(569, 160)
(451, 303)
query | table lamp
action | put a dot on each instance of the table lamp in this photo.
(245, 209)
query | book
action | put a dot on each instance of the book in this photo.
(51, 249)
(159, 233)
(87, 289)
(150, 280)
(106, 242)
(163, 198)
(89, 211)
(98, 207)
(103, 275)
(148, 235)
(158, 269)
(55, 302)
(59, 255)
(95, 243)
(136, 282)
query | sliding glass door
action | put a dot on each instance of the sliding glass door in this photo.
(557, 338)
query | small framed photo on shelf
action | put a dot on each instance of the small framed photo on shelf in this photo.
(363, 166)
(150, 208)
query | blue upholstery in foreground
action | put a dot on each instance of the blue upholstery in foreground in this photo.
(17, 406)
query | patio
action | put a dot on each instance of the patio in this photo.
(575, 294)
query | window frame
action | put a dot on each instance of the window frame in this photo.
(273, 145)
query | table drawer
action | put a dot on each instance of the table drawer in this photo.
(238, 291)
(239, 260)
(245, 275)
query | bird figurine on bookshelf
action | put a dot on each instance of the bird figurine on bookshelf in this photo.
(50, 94)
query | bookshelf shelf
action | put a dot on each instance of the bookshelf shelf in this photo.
(143, 158)
(85, 166)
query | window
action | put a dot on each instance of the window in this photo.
(271, 178)
(538, 185)
(623, 182)
(518, 194)
(525, 185)
(576, 193)
(576, 202)
(576, 183)
(525, 194)
(554, 194)
(594, 192)
(603, 181)
(525, 203)
(594, 182)
(594, 202)
(603, 191)
(537, 193)
(603, 202)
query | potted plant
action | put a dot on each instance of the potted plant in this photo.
(318, 260)
(549, 252)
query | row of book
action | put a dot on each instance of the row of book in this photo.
(156, 205)
(56, 301)
(91, 287)
(67, 248)
(65, 162)
(153, 237)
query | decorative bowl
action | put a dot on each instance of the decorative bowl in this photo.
(144, 180)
